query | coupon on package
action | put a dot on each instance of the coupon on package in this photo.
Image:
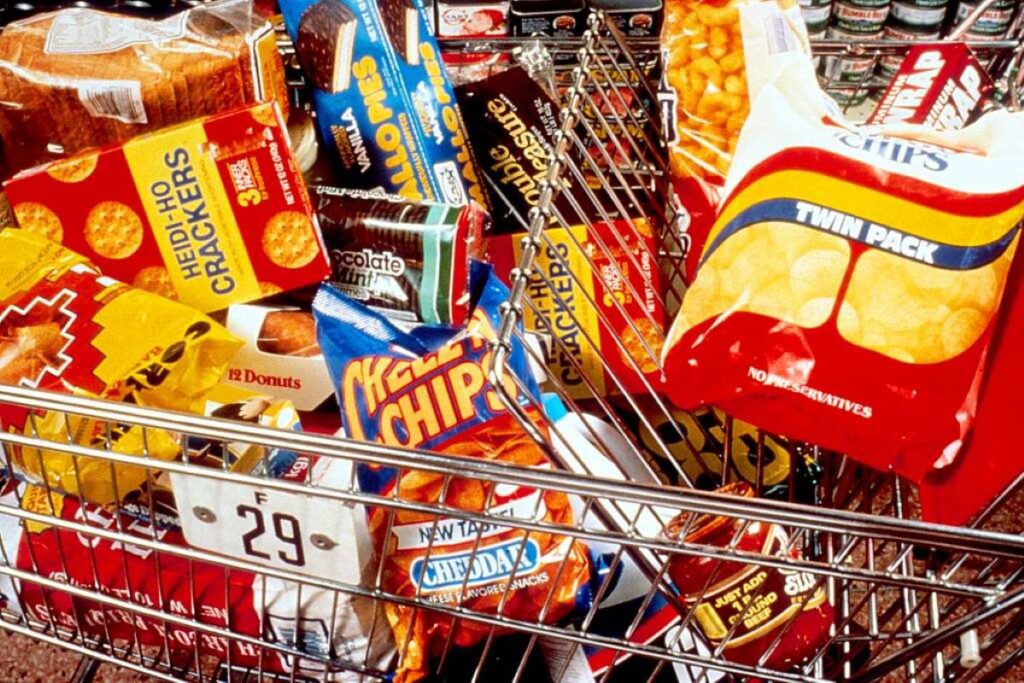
(429, 389)
(383, 99)
(849, 287)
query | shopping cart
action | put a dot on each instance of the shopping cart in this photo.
(913, 601)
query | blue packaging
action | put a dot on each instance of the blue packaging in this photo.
(429, 388)
(361, 346)
(383, 99)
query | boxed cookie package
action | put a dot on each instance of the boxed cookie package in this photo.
(210, 213)
(383, 99)
(407, 260)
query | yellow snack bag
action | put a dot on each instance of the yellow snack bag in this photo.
(65, 327)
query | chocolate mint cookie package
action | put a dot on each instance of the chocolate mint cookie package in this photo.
(406, 260)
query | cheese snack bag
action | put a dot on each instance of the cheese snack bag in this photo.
(428, 389)
(848, 288)
(708, 77)
(64, 327)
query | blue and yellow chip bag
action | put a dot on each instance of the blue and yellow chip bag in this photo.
(429, 389)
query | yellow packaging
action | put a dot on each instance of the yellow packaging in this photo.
(64, 327)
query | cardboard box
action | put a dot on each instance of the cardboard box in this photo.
(940, 85)
(383, 97)
(210, 213)
(635, 18)
(596, 305)
(260, 366)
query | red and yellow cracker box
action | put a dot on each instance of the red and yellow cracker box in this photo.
(210, 213)
(595, 304)
(65, 327)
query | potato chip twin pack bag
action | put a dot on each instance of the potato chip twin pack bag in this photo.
(848, 289)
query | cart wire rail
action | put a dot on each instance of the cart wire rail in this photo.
(913, 601)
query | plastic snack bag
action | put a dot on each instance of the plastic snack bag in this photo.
(428, 389)
(705, 81)
(64, 327)
(849, 286)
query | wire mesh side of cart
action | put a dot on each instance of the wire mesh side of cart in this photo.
(625, 179)
(910, 598)
(903, 591)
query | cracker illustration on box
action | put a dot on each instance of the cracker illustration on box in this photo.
(39, 220)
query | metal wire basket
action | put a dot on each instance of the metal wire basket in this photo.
(912, 600)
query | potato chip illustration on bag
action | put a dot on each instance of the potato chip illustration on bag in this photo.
(849, 286)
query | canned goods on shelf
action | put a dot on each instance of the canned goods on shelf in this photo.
(926, 4)
(995, 20)
(849, 97)
(816, 17)
(887, 71)
(895, 30)
(804, 4)
(848, 69)
(836, 33)
(973, 37)
(859, 20)
(819, 34)
(917, 15)
(868, 3)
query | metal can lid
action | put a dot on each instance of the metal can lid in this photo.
(814, 16)
(991, 20)
(916, 15)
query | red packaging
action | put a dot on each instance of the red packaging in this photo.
(743, 608)
(957, 493)
(850, 284)
(940, 85)
(238, 601)
(943, 85)
(211, 213)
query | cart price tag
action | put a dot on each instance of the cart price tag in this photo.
(301, 533)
